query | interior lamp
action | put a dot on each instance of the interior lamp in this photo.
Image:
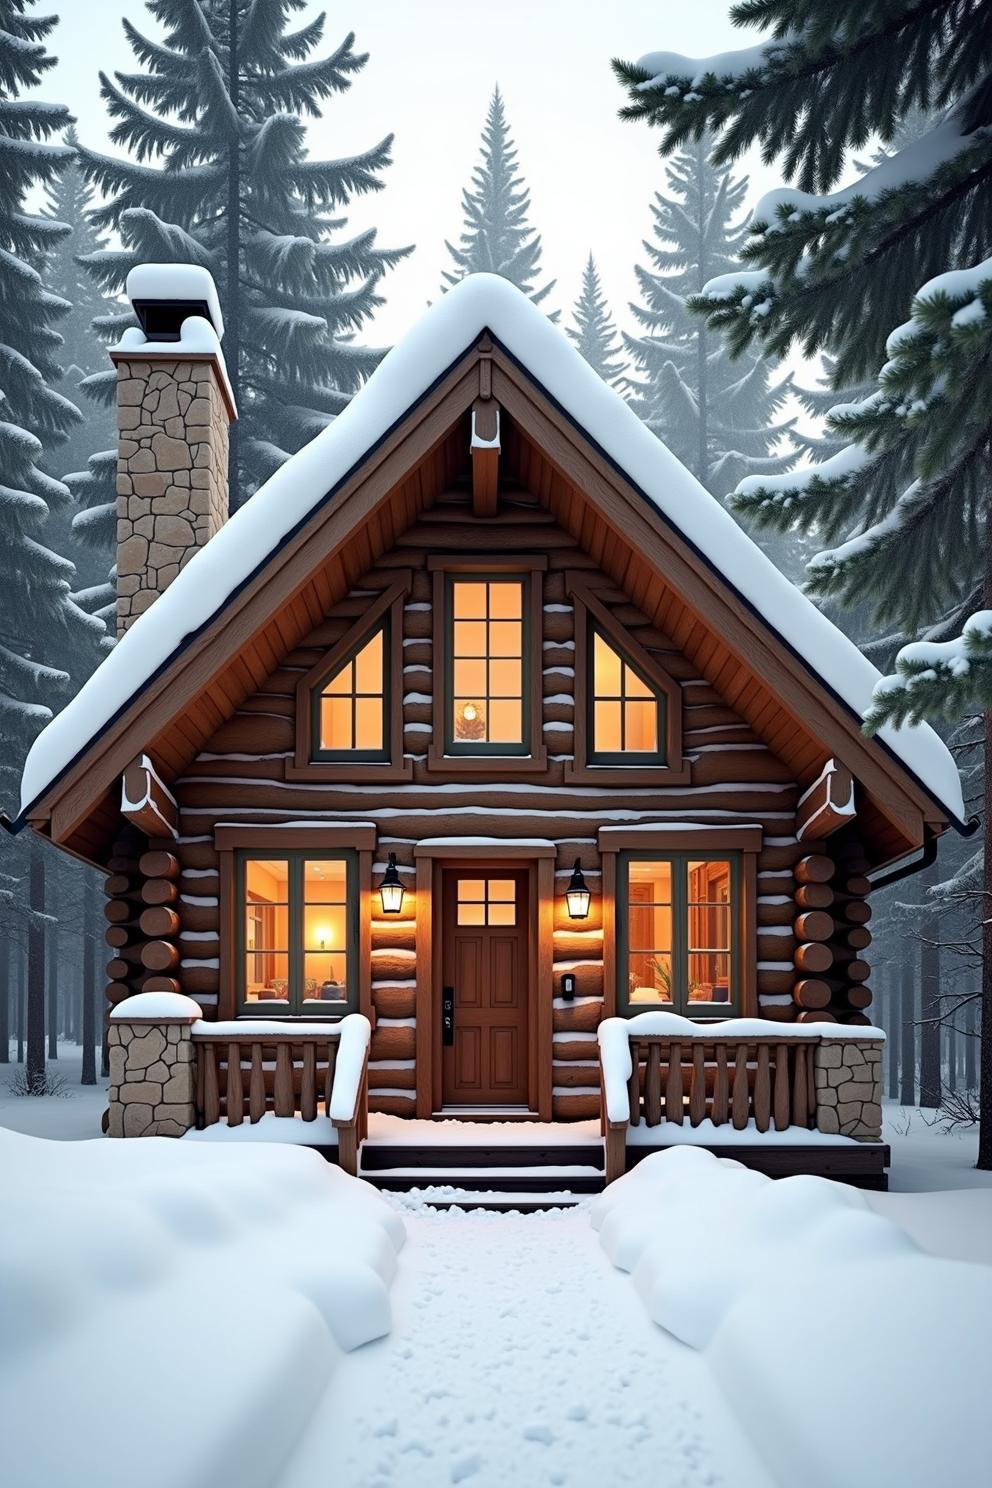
(391, 890)
(577, 894)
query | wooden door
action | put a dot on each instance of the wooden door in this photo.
(484, 987)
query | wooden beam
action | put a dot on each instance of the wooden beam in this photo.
(827, 805)
(485, 456)
(146, 801)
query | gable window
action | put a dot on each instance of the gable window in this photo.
(626, 721)
(298, 915)
(677, 933)
(350, 707)
(485, 692)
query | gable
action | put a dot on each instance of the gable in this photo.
(339, 506)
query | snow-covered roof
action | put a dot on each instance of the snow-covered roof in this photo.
(448, 329)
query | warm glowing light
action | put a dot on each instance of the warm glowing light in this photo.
(391, 889)
(577, 895)
(470, 712)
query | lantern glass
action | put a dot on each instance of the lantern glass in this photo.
(391, 890)
(578, 903)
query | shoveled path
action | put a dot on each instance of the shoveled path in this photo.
(519, 1355)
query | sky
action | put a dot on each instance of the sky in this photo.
(431, 70)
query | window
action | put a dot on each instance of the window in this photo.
(298, 914)
(676, 933)
(487, 901)
(350, 705)
(626, 723)
(487, 646)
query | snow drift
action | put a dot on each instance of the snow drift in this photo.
(178, 1307)
(804, 1299)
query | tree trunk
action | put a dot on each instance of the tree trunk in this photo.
(702, 366)
(232, 305)
(907, 1041)
(972, 1017)
(52, 985)
(893, 1029)
(930, 1005)
(35, 1070)
(985, 1050)
(19, 1004)
(88, 1030)
(6, 958)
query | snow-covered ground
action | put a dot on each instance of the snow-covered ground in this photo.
(69, 1117)
(925, 1157)
(518, 1356)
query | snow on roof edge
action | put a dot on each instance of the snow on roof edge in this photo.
(438, 340)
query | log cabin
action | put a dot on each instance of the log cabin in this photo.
(481, 718)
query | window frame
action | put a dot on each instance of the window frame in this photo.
(678, 859)
(652, 842)
(296, 1005)
(469, 758)
(309, 761)
(237, 844)
(620, 757)
(321, 755)
(587, 768)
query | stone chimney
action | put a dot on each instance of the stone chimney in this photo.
(174, 409)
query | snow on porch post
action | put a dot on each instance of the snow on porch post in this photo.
(152, 1069)
(174, 409)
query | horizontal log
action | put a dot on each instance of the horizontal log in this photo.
(159, 864)
(393, 1043)
(856, 884)
(858, 997)
(197, 980)
(861, 1020)
(122, 863)
(814, 957)
(814, 869)
(575, 1107)
(571, 1074)
(159, 891)
(119, 912)
(160, 955)
(814, 896)
(395, 1002)
(779, 1013)
(583, 1051)
(199, 916)
(582, 1017)
(811, 992)
(250, 733)
(814, 924)
(392, 1105)
(395, 1079)
(158, 921)
(118, 936)
(118, 991)
(858, 938)
(161, 984)
(816, 1015)
(856, 912)
(120, 885)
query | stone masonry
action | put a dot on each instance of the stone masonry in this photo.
(172, 483)
(152, 1073)
(848, 1076)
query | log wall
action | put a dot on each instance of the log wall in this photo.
(242, 777)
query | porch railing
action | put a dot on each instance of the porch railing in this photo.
(253, 1067)
(729, 1078)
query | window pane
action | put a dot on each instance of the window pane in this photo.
(368, 723)
(470, 638)
(709, 927)
(343, 681)
(505, 679)
(471, 889)
(504, 638)
(336, 731)
(470, 678)
(502, 914)
(471, 914)
(469, 600)
(709, 882)
(607, 738)
(641, 726)
(505, 726)
(325, 927)
(506, 600)
(709, 976)
(325, 880)
(650, 978)
(502, 889)
(606, 668)
(470, 719)
(266, 976)
(368, 666)
(650, 927)
(325, 977)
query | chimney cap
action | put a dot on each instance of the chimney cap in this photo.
(164, 295)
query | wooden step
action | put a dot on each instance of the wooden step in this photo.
(376, 1156)
(574, 1179)
(496, 1203)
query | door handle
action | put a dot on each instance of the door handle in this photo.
(448, 1016)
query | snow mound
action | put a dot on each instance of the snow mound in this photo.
(311, 477)
(800, 1293)
(227, 1281)
(156, 1005)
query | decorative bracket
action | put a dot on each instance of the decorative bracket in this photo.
(146, 800)
(827, 805)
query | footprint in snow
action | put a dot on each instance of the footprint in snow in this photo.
(465, 1467)
(538, 1432)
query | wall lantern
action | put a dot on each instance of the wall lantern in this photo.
(391, 890)
(577, 894)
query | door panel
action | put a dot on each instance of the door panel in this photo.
(484, 959)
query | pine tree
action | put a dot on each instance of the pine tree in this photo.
(220, 176)
(91, 540)
(45, 640)
(904, 503)
(497, 237)
(594, 332)
(721, 417)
